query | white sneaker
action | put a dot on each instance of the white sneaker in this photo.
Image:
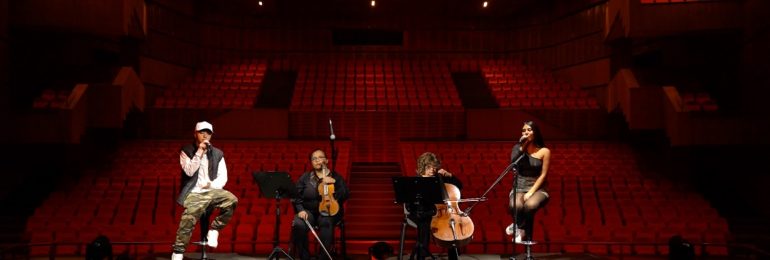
(519, 235)
(509, 229)
(211, 238)
(177, 256)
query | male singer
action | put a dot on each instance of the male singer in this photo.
(204, 176)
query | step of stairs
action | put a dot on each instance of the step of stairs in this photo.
(371, 212)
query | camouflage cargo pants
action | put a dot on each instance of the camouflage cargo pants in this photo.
(195, 205)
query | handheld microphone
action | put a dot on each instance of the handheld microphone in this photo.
(523, 137)
(331, 130)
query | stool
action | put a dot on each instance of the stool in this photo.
(204, 221)
(528, 242)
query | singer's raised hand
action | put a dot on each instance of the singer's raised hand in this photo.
(203, 145)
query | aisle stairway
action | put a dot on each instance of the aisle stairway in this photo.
(371, 213)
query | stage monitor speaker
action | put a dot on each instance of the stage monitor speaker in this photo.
(680, 249)
(99, 249)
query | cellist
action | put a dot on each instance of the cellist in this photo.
(307, 202)
(428, 165)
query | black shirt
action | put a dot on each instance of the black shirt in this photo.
(308, 197)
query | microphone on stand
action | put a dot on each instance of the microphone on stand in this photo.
(331, 142)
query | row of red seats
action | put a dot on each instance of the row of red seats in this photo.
(51, 99)
(238, 66)
(373, 81)
(550, 103)
(701, 101)
(338, 61)
(526, 85)
(216, 86)
(476, 63)
(230, 94)
(516, 75)
(204, 102)
(373, 68)
(208, 77)
(373, 93)
(516, 87)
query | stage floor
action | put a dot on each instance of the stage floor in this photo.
(549, 256)
(542, 256)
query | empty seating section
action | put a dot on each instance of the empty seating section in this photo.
(597, 195)
(377, 84)
(234, 85)
(134, 200)
(517, 86)
(698, 101)
(51, 99)
(334, 83)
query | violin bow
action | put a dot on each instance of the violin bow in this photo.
(312, 230)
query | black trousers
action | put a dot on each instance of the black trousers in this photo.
(299, 236)
(422, 217)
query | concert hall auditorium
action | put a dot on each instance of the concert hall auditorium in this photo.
(422, 129)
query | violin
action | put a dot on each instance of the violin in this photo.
(446, 214)
(328, 205)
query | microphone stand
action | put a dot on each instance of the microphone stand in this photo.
(332, 137)
(497, 181)
(515, 213)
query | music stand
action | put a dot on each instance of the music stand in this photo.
(416, 191)
(276, 185)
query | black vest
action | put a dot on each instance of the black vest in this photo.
(188, 182)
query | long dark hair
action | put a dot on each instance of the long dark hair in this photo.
(538, 135)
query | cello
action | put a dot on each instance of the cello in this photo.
(328, 205)
(450, 226)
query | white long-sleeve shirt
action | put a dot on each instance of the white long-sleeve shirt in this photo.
(200, 163)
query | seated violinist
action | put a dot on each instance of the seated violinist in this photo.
(428, 165)
(311, 205)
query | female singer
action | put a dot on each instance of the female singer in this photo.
(307, 203)
(530, 193)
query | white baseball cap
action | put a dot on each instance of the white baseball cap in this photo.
(203, 125)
